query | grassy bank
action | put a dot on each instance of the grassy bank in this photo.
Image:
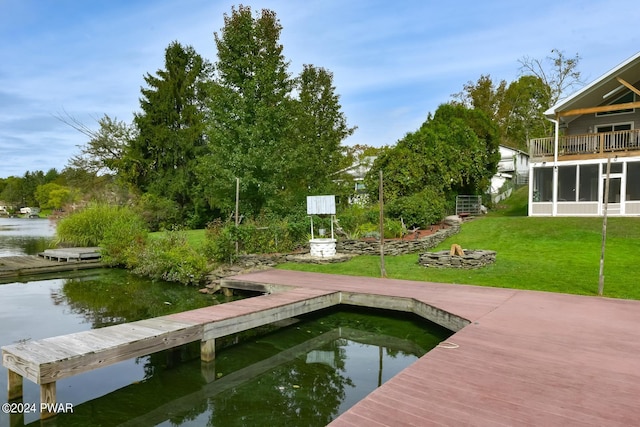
(547, 254)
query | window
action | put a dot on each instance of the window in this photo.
(633, 181)
(588, 185)
(543, 184)
(628, 97)
(567, 184)
(616, 167)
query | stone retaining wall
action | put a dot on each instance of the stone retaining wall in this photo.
(396, 247)
(471, 259)
(346, 249)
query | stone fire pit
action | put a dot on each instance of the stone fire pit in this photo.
(470, 259)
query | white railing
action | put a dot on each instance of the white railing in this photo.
(590, 143)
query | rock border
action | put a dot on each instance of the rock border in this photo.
(471, 259)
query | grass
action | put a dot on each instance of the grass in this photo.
(545, 254)
(195, 238)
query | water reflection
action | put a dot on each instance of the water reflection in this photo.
(82, 301)
(305, 374)
(20, 236)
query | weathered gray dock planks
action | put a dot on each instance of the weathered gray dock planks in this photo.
(51, 359)
(71, 254)
(28, 265)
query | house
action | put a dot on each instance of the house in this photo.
(357, 171)
(513, 167)
(596, 144)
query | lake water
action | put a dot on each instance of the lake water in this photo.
(305, 374)
(19, 236)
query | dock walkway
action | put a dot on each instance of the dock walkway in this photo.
(517, 357)
(51, 359)
(29, 265)
(526, 358)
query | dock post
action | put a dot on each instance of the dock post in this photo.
(14, 385)
(208, 350)
(47, 400)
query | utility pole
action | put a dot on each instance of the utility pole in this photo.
(604, 228)
(383, 271)
(237, 209)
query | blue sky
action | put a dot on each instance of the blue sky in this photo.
(393, 62)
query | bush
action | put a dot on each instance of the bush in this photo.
(124, 240)
(158, 212)
(419, 210)
(260, 236)
(220, 241)
(171, 258)
(119, 232)
(88, 227)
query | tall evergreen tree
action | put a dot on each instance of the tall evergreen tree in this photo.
(171, 127)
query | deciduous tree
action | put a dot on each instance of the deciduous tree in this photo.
(250, 106)
(453, 152)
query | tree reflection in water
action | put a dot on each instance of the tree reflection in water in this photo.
(305, 374)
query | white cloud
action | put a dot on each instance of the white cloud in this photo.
(393, 62)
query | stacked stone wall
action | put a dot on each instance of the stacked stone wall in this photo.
(396, 247)
(470, 259)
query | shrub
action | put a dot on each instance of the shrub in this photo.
(220, 241)
(419, 210)
(124, 240)
(119, 232)
(89, 226)
(171, 258)
(157, 211)
(260, 236)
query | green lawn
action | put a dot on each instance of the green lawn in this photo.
(547, 254)
(195, 238)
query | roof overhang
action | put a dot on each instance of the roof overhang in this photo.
(599, 93)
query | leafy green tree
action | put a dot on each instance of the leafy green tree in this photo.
(453, 152)
(279, 135)
(104, 151)
(522, 111)
(14, 192)
(54, 196)
(517, 108)
(320, 128)
(251, 113)
(161, 159)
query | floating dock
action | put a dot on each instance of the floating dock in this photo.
(516, 357)
(49, 261)
(71, 254)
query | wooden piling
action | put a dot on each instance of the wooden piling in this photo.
(208, 350)
(14, 385)
(48, 398)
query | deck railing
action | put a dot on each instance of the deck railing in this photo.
(590, 143)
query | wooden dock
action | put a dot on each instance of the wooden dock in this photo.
(71, 254)
(53, 262)
(48, 360)
(525, 359)
(517, 358)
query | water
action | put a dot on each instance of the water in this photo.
(20, 236)
(305, 374)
